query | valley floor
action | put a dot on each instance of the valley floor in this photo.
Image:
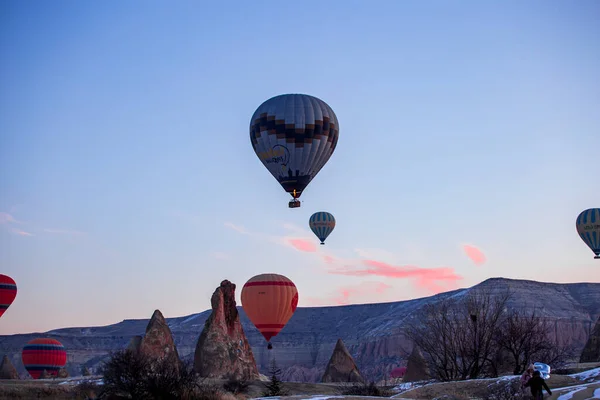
(581, 386)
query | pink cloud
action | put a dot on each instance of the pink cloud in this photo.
(474, 254)
(21, 233)
(6, 218)
(302, 244)
(433, 280)
(328, 259)
(346, 293)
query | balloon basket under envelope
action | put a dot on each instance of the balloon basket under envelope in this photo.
(294, 203)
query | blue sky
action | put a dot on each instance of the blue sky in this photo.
(128, 182)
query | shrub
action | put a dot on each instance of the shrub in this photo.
(236, 386)
(275, 385)
(139, 377)
(363, 389)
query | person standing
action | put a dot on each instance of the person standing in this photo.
(537, 384)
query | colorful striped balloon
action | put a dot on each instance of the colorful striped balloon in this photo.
(269, 300)
(8, 292)
(322, 224)
(588, 227)
(43, 354)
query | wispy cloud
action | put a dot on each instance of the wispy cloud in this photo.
(366, 291)
(475, 254)
(302, 244)
(64, 232)
(6, 218)
(237, 228)
(433, 280)
(20, 232)
(345, 294)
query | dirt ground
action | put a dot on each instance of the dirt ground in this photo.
(559, 384)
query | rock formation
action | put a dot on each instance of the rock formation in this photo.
(85, 371)
(223, 350)
(341, 366)
(134, 344)
(416, 368)
(7, 369)
(571, 310)
(591, 351)
(45, 375)
(62, 373)
(158, 341)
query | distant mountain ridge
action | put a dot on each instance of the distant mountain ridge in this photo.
(372, 332)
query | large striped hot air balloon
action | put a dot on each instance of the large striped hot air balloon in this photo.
(322, 224)
(8, 292)
(269, 300)
(294, 135)
(588, 227)
(43, 354)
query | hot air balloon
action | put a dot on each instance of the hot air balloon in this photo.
(43, 354)
(588, 227)
(8, 292)
(269, 300)
(294, 135)
(322, 224)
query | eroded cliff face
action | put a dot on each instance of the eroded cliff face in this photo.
(591, 351)
(371, 332)
(341, 366)
(222, 350)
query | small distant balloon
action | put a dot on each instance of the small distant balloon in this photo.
(588, 228)
(322, 224)
(294, 135)
(269, 300)
(8, 292)
(43, 354)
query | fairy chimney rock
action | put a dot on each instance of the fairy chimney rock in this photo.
(7, 369)
(416, 368)
(223, 350)
(134, 344)
(62, 373)
(591, 351)
(158, 341)
(341, 366)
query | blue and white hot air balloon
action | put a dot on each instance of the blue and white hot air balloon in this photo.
(294, 135)
(322, 224)
(588, 227)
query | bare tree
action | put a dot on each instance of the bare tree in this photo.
(456, 336)
(524, 337)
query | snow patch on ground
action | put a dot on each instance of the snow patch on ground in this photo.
(79, 380)
(585, 375)
(569, 395)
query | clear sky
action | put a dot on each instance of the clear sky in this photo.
(469, 143)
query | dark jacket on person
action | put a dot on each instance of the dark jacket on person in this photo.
(536, 384)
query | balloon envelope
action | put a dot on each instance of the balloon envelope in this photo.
(322, 224)
(294, 135)
(8, 292)
(43, 354)
(269, 300)
(588, 227)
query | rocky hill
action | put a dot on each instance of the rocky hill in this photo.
(371, 332)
